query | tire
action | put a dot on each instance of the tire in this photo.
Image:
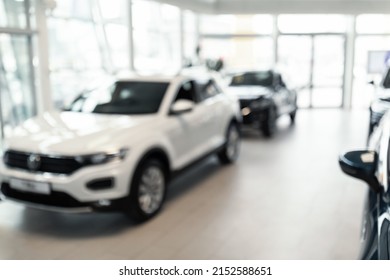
(268, 126)
(292, 116)
(148, 190)
(231, 149)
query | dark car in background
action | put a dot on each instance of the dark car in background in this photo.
(263, 97)
(372, 166)
(381, 104)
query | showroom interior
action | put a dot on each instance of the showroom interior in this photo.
(284, 198)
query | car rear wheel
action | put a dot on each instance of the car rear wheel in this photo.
(268, 126)
(231, 149)
(148, 190)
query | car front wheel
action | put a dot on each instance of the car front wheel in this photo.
(268, 126)
(148, 191)
(292, 116)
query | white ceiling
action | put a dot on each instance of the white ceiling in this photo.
(284, 6)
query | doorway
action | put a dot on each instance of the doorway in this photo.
(314, 63)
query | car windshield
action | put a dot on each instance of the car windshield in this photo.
(128, 98)
(261, 78)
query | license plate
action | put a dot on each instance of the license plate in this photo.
(30, 186)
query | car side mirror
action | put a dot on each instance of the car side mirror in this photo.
(372, 82)
(182, 106)
(361, 165)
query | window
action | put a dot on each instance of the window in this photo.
(222, 24)
(156, 37)
(261, 78)
(312, 23)
(73, 9)
(386, 81)
(88, 42)
(17, 101)
(12, 14)
(208, 89)
(117, 35)
(190, 38)
(278, 80)
(187, 92)
(129, 98)
(236, 24)
(17, 84)
(373, 24)
(240, 52)
(362, 91)
(114, 10)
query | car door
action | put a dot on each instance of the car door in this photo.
(383, 197)
(376, 219)
(369, 229)
(187, 130)
(212, 105)
(285, 98)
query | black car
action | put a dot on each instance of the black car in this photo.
(263, 98)
(372, 166)
(381, 103)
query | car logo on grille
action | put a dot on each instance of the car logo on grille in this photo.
(33, 162)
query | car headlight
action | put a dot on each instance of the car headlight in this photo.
(101, 158)
(260, 104)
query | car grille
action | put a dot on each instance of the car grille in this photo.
(245, 102)
(45, 164)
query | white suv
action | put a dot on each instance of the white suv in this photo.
(116, 147)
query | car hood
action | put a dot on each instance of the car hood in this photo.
(249, 92)
(70, 133)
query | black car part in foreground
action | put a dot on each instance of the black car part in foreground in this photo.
(372, 166)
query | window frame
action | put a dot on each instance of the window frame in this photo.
(202, 91)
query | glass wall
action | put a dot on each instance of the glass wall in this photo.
(304, 24)
(156, 37)
(88, 42)
(372, 47)
(190, 37)
(15, 76)
(241, 41)
(17, 84)
(310, 50)
(13, 14)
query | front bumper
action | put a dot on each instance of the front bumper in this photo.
(252, 116)
(71, 193)
(56, 201)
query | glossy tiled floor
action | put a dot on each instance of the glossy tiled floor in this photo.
(284, 199)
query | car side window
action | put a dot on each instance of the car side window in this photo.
(209, 89)
(386, 81)
(282, 83)
(279, 80)
(187, 91)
